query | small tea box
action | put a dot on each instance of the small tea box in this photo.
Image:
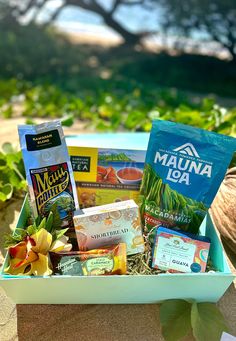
(105, 173)
(110, 224)
(179, 252)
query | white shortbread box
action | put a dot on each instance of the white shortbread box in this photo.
(123, 289)
(114, 223)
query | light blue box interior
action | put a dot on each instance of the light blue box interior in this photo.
(202, 287)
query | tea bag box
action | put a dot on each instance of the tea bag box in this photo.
(107, 169)
(122, 289)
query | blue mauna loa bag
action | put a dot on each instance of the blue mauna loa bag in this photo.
(184, 169)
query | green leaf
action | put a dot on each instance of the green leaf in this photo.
(3, 161)
(67, 121)
(54, 236)
(13, 178)
(20, 232)
(10, 240)
(175, 317)
(13, 159)
(7, 190)
(7, 148)
(27, 207)
(14, 238)
(60, 233)
(207, 322)
(31, 229)
(134, 119)
(2, 197)
(7, 113)
(208, 103)
(38, 220)
(30, 121)
(49, 222)
(42, 224)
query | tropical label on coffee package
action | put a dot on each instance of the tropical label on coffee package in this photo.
(52, 185)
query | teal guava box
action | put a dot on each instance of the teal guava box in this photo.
(125, 289)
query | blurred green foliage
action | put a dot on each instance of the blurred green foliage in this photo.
(12, 171)
(44, 75)
(117, 110)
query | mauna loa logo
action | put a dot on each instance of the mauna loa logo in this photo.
(181, 166)
(187, 148)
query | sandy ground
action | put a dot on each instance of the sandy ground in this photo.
(81, 322)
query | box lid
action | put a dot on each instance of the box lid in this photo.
(136, 141)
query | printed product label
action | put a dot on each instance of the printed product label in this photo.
(73, 266)
(174, 253)
(111, 227)
(43, 140)
(70, 266)
(182, 166)
(52, 184)
(80, 163)
(106, 175)
(99, 265)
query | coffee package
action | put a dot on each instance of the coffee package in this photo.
(48, 170)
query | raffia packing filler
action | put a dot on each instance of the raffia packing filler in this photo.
(110, 224)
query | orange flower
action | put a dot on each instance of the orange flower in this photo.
(31, 256)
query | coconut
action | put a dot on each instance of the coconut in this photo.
(223, 209)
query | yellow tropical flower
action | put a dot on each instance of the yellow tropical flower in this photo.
(43, 241)
(61, 244)
(40, 267)
(31, 256)
(20, 266)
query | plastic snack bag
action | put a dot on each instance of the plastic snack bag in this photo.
(48, 170)
(183, 171)
(109, 260)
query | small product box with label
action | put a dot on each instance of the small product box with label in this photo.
(178, 252)
(106, 175)
(110, 224)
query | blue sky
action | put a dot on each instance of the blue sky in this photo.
(134, 18)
